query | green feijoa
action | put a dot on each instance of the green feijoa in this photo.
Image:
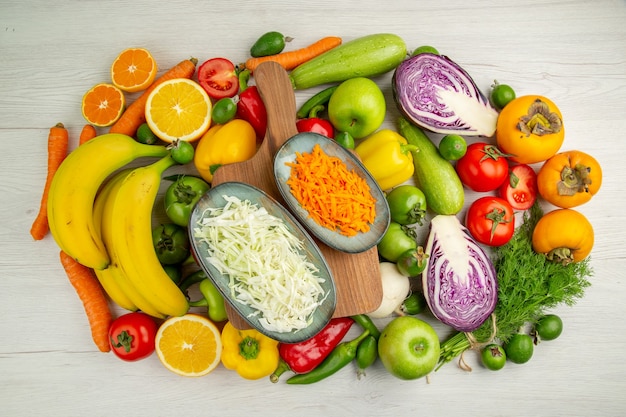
(270, 43)
(549, 327)
(425, 49)
(224, 110)
(145, 135)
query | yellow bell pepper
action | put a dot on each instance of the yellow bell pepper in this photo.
(249, 352)
(387, 156)
(234, 141)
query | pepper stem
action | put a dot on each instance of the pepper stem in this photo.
(249, 348)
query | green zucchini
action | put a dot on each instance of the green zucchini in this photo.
(367, 56)
(434, 175)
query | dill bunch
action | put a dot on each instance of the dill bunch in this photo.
(528, 285)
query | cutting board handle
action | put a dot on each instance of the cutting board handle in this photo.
(277, 94)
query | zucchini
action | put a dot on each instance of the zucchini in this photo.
(366, 56)
(434, 175)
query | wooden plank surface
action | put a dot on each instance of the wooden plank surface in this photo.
(354, 296)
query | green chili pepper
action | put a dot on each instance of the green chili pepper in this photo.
(366, 354)
(343, 354)
(366, 323)
(320, 98)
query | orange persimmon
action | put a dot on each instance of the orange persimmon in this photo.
(530, 128)
(569, 179)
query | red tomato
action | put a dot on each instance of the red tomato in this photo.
(132, 336)
(491, 221)
(219, 78)
(520, 188)
(483, 167)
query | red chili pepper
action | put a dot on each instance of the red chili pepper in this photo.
(304, 356)
(316, 124)
(250, 106)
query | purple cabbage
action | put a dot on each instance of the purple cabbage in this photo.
(459, 281)
(437, 94)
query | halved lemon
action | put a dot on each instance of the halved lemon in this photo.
(103, 104)
(189, 345)
(178, 109)
(133, 70)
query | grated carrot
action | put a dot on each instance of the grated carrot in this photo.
(334, 196)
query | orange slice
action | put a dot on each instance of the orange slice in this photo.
(103, 104)
(178, 109)
(189, 345)
(133, 70)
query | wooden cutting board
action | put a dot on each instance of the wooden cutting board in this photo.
(357, 276)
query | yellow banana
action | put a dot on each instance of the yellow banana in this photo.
(131, 233)
(105, 204)
(108, 277)
(74, 188)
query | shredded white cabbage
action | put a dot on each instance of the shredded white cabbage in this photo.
(264, 262)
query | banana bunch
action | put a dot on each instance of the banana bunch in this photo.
(73, 191)
(107, 224)
(123, 209)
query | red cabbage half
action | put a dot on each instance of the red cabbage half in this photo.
(459, 281)
(437, 94)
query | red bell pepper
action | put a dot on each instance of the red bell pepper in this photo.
(250, 106)
(304, 356)
(316, 124)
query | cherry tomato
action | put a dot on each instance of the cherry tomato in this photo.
(520, 188)
(219, 78)
(483, 167)
(407, 204)
(181, 197)
(493, 357)
(171, 243)
(491, 221)
(132, 336)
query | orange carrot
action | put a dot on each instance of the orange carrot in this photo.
(58, 144)
(88, 133)
(334, 196)
(93, 297)
(134, 115)
(291, 59)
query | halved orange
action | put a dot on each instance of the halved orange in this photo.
(133, 70)
(189, 345)
(103, 104)
(178, 109)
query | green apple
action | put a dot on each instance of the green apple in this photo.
(409, 347)
(357, 106)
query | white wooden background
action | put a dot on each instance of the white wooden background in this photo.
(572, 51)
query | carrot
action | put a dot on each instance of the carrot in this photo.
(334, 196)
(134, 115)
(58, 143)
(291, 59)
(89, 132)
(93, 297)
